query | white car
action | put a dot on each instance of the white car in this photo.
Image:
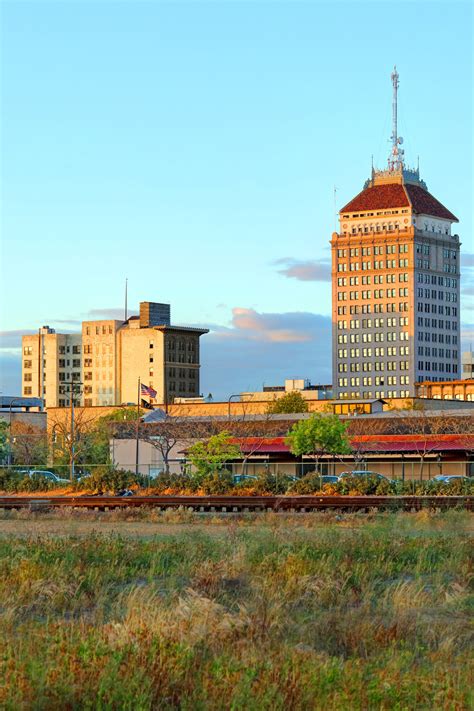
(51, 476)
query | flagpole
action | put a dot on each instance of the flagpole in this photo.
(137, 427)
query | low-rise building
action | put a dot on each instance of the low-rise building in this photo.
(446, 390)
(308, 391)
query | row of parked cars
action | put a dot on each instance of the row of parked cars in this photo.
(333, 479)
(241, 478)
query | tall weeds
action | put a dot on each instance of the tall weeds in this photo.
(264, 615)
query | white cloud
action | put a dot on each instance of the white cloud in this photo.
(305, 270)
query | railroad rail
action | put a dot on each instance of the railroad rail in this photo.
(240, 504)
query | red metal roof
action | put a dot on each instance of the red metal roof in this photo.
(378, 197)
(425, 204)
(370, 443)
(396, 195)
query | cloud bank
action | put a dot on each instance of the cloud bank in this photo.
(305, 270)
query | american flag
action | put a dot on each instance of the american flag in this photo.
(146, 390)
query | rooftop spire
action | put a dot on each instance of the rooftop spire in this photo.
(395, 161)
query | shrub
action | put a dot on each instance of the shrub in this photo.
(105, 478)
(308, 484)
(217, 483)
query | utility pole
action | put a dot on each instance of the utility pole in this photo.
(71, 463)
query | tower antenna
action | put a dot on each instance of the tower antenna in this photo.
(126, 290)
(395, 162)
(335, 210)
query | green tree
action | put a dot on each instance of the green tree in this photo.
(209, 456)
(91, 438)
(291, 402)
(319, 435)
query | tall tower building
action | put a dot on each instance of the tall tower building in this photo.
(395, 285)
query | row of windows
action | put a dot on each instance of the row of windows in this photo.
(426, 228)
(440, 280)
(422, 249)
(180, 344)
(433, 294)
(182, 373)
(449, 253)
(429, 365)
(378, 352)
(28, 350)
(437, 309)
(377, 265)
(98, 329)
(368, 294)
(422, 263)
(369, 395)
(378, 380)
(365, 229)
(437, 338)
(369, 337)
(68, 376)
(378, 322)
(437, 323)
(437, 352)
(63, 363)
(367, 251)
(377, 308)
(368, 367)
(182, 387)
(378, 279)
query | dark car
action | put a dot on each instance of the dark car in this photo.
(329, 479)
(448, 478)
(363, 473)
(241, 478)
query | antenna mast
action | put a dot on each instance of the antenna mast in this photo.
(395, 162)
(126, 289)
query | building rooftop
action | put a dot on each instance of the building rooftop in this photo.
(398, 195)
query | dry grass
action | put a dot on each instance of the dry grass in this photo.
(256, 612)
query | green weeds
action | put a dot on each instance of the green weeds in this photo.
(343, 613)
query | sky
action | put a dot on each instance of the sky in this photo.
(195, 148)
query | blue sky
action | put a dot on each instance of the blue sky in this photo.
(194, 148)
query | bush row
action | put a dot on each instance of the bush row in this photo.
(105, 479)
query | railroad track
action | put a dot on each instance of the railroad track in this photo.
(240, 504)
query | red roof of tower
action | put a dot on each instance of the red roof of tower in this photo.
(425, 204)
(378, 197)
(396, 195)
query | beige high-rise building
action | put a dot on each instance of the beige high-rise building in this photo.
(110, 356)
(51, 362)
(395, 286)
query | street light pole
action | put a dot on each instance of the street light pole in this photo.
(72, 453)
(137, 427)
(228, 403)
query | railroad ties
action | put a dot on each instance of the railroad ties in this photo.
(240, 504)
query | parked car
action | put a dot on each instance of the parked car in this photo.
(51, 476)
(329, 479)
(363, 473)
(447, 478)
(240, 478)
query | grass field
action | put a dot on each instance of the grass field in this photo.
(176, 611)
